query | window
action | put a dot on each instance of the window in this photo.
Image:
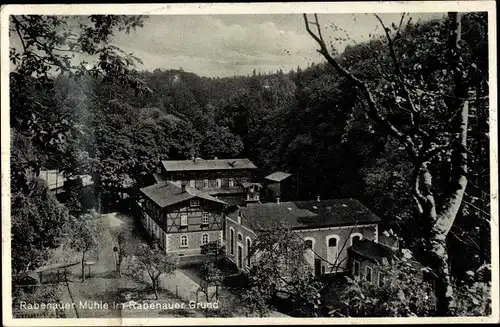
(355, 268)
(204, 239)
(231, 182)
(205, 183)
(368, 274)
(218, 182)
(232, 241)
(332, 250)
(204, 218)
(194, 203)
(308, 244)
(249, 245)
(192, 183)
(184, 220)
(184, 241)
(240, 238)
(380, 279)
(356, 237)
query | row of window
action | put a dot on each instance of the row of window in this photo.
(332, 242)
(205, 238)
(368, 276)
(239, 259)
(218, 183)
(204, 219)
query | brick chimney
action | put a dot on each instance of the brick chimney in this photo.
(278, 200)
(183, 186)
(318, 199)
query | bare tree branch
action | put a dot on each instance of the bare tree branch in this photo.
(414, 113)
(17, 24)
(373, 109)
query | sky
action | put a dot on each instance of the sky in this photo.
(228, 45)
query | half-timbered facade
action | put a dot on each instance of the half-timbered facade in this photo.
(181, 218)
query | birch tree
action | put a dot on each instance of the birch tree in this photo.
(428, 114)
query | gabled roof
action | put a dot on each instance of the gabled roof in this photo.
(277, 176)
(306, 214)
(371, 250)
(169, 193)
(158, 177)
(378, 252)
(201, 164)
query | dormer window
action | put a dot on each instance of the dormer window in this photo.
(205, 183)
(231, 182)
(218, 182)
(194, 203)
(192, 183)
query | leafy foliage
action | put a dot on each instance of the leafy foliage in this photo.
(279, 270)
(84, 235)
(425, 108)
(37, 225)
(403, 292)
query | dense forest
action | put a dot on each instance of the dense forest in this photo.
(309, 122)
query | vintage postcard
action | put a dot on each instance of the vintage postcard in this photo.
(267, 163)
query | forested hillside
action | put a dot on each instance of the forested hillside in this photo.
(309, 122)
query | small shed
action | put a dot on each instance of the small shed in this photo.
(278, 185)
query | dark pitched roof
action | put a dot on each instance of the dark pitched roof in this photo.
(201, 164)
(169, 193)
(371, 250)
(158, 177)
(306, 214)
(277, 176)
(377, 252)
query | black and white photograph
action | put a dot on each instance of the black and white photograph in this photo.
(263, 163)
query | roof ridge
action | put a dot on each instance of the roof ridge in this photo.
(218, 159)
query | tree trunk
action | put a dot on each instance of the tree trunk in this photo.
(83, 266)
(119, 266)
(443, 287)
(435, 226)
(155, 288)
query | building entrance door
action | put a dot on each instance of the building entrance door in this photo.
(317, 267)
(240, 256)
